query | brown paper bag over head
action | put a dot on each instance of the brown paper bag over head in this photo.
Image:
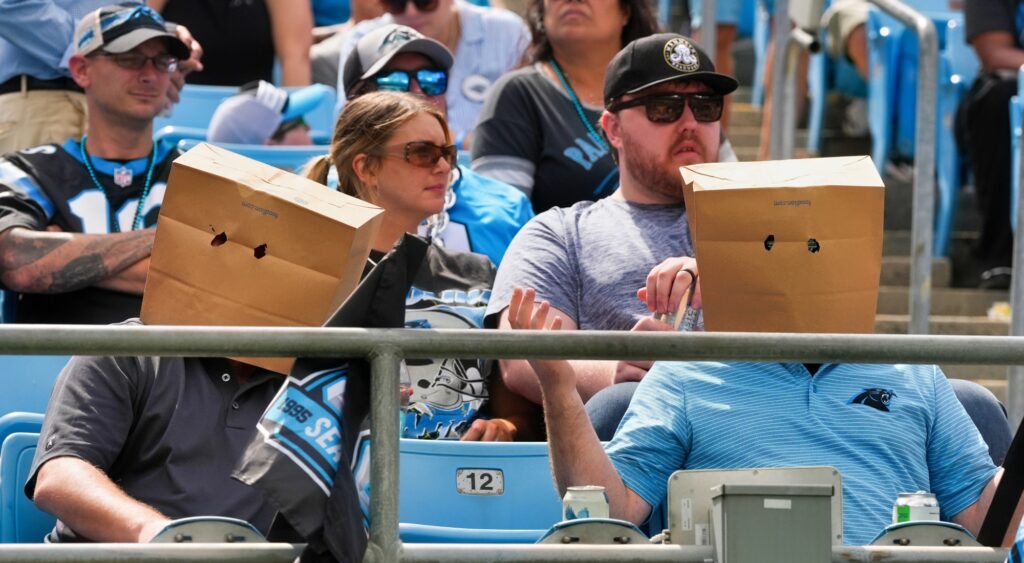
(787, 246)
(241, 243)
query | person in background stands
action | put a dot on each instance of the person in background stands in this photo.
(486, 43)
(76, 219)
(538, 128)
(39, 102)
(242, 39)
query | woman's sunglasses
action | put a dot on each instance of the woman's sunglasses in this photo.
(398, 6)
(423, 153)
(668, 108)
(432, 82)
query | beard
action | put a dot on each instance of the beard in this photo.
(658, 173)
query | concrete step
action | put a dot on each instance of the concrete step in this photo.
(944, 324)
(896, 271)
(897, 242)
(749, 154)
(945, 302)
(750, 136)
(744, 115)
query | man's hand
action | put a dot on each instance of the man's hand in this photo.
(492, 430)
(668, 284)
(191, 64)
(521, 315)
(150, 529)
(635, 370)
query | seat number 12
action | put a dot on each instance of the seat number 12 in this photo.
(480, 482)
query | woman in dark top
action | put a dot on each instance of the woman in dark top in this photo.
(240, 38)
(538, 128)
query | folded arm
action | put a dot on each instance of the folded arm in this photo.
(55, 262)
(88, 502)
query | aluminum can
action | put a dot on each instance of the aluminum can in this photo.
(915, 506)
(588, 501)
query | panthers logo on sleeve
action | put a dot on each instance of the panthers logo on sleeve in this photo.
(875, 397)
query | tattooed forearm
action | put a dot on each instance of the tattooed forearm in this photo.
(55, 262)
(78, 273)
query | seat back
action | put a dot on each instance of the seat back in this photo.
(28, 381)
(290, 158)
(476, 491)
(20, 520)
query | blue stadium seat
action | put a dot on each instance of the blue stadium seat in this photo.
(1016, 125)
(20, 520)
(13, 422)
(432, 509)
(28, 381)
(958, 65)
(290, 158)
(761, 36)
(198, 102)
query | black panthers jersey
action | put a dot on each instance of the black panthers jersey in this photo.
(50, 185)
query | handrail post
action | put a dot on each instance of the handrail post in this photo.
(1015, 376)
(708, 29)
(780, 38)
(924, 161)
(384, 408)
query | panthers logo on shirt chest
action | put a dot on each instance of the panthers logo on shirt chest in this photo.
(874, 397)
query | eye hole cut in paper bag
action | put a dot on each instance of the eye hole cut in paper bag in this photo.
(241, 243)
(787, 246)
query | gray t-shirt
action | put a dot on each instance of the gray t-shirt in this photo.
(168, 431)
(588, 260)
(981, 16)
(530, 135)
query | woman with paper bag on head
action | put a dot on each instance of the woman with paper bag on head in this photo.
(395, 150)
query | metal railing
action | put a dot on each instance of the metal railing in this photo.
(1015, 375)
(783, 125)
(385, 349)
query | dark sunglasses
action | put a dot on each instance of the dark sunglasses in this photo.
(135, 61)
(398, 6)
(432, 82)
(423, 153)
(668, 108)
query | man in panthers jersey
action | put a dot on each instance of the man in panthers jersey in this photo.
(76, 220)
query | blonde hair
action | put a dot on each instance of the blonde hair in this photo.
(364, 127)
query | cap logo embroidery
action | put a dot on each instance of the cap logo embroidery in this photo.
(400, 36)
(679, 54)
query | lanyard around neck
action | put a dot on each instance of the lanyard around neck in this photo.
(114, 226)
(576, 104)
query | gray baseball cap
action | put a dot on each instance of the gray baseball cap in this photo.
(122, 27)
(375, 50)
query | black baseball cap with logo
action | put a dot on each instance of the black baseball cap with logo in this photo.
(659, 58)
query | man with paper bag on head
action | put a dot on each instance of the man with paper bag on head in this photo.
(130, 443)
(782, 246)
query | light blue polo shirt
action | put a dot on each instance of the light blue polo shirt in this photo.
(887, 428)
